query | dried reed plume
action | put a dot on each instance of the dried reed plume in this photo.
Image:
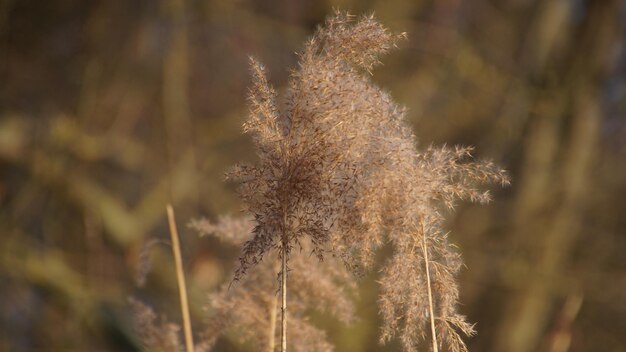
(249, 309)
(339, 166)
(311, 153)
(154, 333)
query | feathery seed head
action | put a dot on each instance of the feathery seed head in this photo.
(340, 166)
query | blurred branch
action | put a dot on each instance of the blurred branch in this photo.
(47, 269)
(178, 123)
(557, 176)
(67, 134)
(125, 224)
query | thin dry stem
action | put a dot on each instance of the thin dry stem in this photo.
(273, 317)
(430, 294)
(272, 331)
(180, 275)
(283, 292)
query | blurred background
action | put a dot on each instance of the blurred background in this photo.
(109, 109)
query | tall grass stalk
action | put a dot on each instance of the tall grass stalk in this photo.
(180, 275)
(431, 310)
(283, 292)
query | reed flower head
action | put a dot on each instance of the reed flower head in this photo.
(339, 166)
(154, 333)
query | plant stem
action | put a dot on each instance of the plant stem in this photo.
(273, 309)
(283, 334)
(180, 275)
(430, 294)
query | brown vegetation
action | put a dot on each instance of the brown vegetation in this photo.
(111, 109)
(338, 166)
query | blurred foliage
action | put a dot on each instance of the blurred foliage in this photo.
(111, 109)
